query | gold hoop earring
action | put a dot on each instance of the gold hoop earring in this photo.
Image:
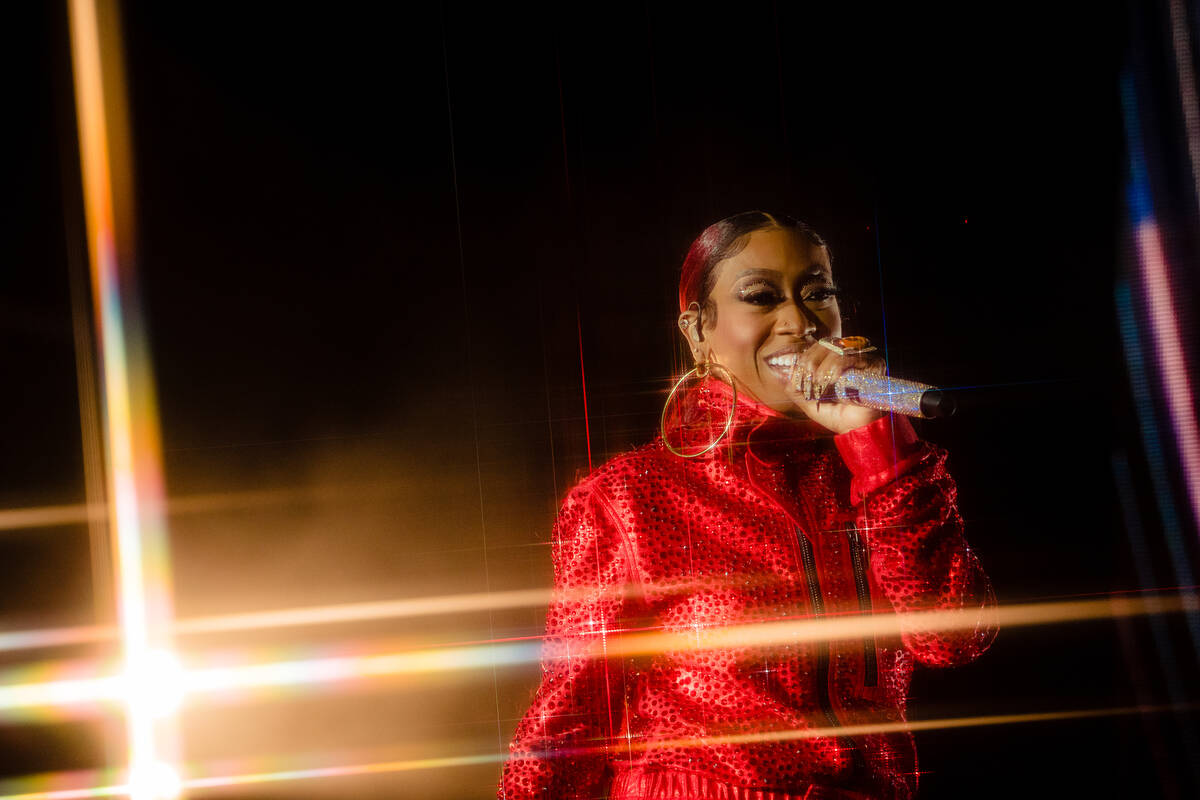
(701, 370)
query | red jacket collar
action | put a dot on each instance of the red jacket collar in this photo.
(698, 416)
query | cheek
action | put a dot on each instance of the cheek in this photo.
(831, 320)
(739, 336)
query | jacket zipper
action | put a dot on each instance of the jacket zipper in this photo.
(858, 557)
(818, 607)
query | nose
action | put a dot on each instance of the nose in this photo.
(794, 319)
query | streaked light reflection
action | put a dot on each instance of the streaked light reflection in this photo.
(132, 450)
(259, 673)
(25, 789)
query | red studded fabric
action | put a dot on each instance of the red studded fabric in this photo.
(763, 528)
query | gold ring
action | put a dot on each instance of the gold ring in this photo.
(804, 385)
(847, 345)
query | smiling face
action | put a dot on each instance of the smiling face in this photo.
(772, 301)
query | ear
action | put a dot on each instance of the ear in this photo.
(689, 327)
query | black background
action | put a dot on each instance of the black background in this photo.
(373, 245)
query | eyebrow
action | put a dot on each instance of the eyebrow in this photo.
(816, 276)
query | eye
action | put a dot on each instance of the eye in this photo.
(759, 294)
(823, 296)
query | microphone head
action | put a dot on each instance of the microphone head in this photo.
(937, 403)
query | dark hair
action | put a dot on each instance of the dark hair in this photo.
(725, 239)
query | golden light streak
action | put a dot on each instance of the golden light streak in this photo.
(883, 728)
(1019, 614)
(20, 698)
(78, 513)
(60, 693)
(347, 668)
(384, 767)
(359, 612)
(71, 794)
(624, 645)
(798, 631)
(130, 416)
(294, 617)
(55, 637)
(49, 516)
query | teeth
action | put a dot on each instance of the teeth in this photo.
(783, 361)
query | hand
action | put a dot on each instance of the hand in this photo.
(811, 380)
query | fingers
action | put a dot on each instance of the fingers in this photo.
(827, 372)
(829, 369)
(804, 372)
(807, 372)
(811, 382)
(802, 382)
(832, 366)
(817, 368)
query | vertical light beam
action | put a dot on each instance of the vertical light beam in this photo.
(132, 449)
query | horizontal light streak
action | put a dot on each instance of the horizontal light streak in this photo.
(294, 617)
(62, 693)
(891, 625)
(340, 771)
(361, 612)
(51, 516)
(316, 615)
(71, 794)
(346, 668)
(82, 695)
(407, 765)
(78, 513)
(883, 728)
(311, 615)
(56, 637)
(21, 698)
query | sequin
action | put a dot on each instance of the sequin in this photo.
(780, 520)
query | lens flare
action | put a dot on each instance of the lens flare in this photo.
(158, 780)
(26, 789)
(156, 682)
(132, 451)
(163, 682)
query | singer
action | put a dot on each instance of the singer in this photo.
(761, 501)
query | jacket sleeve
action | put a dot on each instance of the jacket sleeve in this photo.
(561, 747)
(907, 507)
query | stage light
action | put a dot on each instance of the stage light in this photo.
(159, 781)
(156, 683)
(132, 447)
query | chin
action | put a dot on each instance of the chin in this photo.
(769, 396)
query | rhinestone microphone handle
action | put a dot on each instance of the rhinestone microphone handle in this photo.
(881, 392)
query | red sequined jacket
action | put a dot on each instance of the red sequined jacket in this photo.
(654, 683)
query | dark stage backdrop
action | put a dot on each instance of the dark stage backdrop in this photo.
(383, 254)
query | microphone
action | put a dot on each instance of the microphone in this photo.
(884, 393)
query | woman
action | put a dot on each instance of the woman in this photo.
(746, 512)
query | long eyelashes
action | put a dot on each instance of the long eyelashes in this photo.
(763, 295)
(823, 295)
(759, 296)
